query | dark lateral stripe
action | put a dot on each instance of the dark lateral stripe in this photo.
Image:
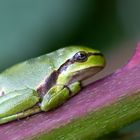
(65, 65)
(48, 83)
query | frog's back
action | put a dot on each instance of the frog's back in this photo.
(30, 73)
(26, 74)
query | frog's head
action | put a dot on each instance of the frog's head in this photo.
(73, 65)
(81, 63)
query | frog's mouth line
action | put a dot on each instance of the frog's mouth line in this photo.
(83, 75)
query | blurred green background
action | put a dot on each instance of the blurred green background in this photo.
(29, 28)
(33, 27)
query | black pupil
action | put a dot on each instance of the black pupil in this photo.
(80, 56)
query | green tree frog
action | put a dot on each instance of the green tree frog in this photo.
(46, 82)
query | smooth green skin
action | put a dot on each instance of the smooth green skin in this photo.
(18, 84)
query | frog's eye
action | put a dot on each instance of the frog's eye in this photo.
(80, 56)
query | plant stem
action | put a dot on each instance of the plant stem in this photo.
(98, 109)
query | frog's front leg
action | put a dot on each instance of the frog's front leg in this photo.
(58, 94)
(18, 104)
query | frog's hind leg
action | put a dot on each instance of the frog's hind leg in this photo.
(34, 110)
(18, 104)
